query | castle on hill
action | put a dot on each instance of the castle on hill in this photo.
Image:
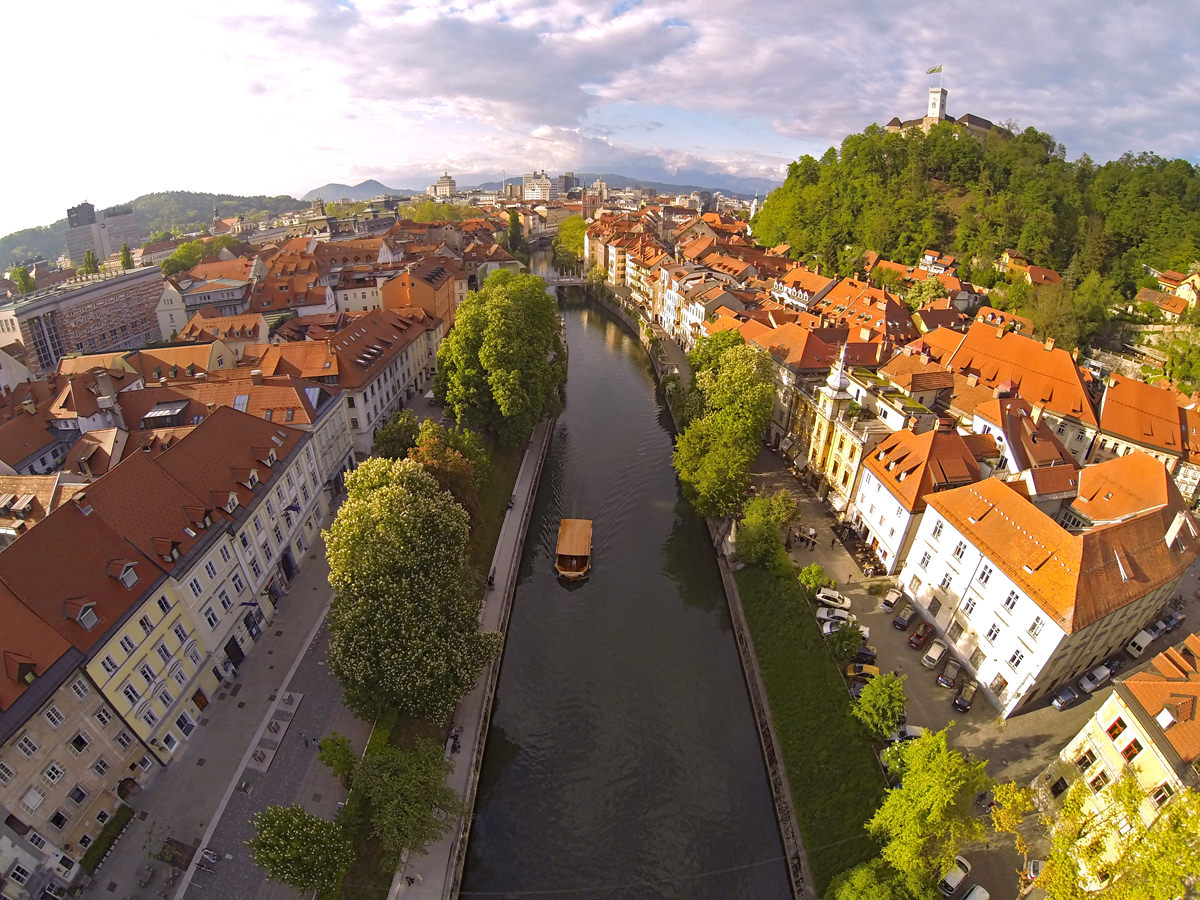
(975, 125)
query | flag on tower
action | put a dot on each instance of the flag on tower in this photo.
(935, 70)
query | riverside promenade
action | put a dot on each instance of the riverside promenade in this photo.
(437, 873)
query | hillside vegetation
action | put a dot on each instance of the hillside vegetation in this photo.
(180, 212)
(898, 194)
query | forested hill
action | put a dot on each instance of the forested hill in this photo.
(898, 194)
(177, 211)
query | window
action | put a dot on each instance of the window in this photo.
(180, 632)
(53, 773)
(164, 604)
(1016, 659)
(1099, 781)
(353, 422)
(238, 584)
(85, 841)
(925, 557)
(984, 574)
(103, 816)
(19, 873)
(36, 839)
(968, 606)
(170, 741)
(955, 631)
(945, 582)
(146, 624)
(123, 740)
(245, 541)
(993, 633)
(210, 570)
(54, 716)
(935, 607)
(103, 716)
(257, 525)
(1086, 759)
(185, 724)
(1116, 729)
(937, 529)
(6, 773)
(959, 549)
(225, 554)
(1010, 602)
(149, 717)
(77, 795)
(79, 743)
(194, 584)
(32, 799)
(130, 693)
(27, 746)
(147, 674)
(164, 697)
(268, 552)
(278, 534)
(210, 617)
(1132, 749)
(226, 603)
(108, 664)
(59, 819)
(127, 644)
(163, 653)
(1162, 794)
(270, 510)
(128, 577)
(232, 504)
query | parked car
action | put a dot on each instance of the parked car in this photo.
(865, 654)
(934, 654)
(856, 688)
(950, 672)
(893, 597)
(904, 733)
(1065, 697)
(1173, 620)
(828, 628)
(827, 596)
(865, 671)
(965, 696)
(1156, 629)
(903, 618)
(1094, 679)
(977, 892)
(825, 614)
(955, 877)
(1033, 870)
(920, 636)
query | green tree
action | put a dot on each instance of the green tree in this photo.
(713, 458)
(758, 531)
(925, 821)
(23, 280)
(514, 238)
(397, 436)
(338, 754)
(929, 288)
(189, 254)
(451, 470)
(126, 257)
(880, 706)
(844, 642)
(568, 243)
(812, 577)
(158, 237)
(709, 349)
(411, 804)
(1011, 803)
(90, 264)
(874, 880)
(299, 849)
(404, 620)
(465, 441)
(503, 365)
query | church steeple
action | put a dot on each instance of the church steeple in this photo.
(837, 380)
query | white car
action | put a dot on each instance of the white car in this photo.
(824, 614)
(831, 598)
(905, 733)
(955, 877)
(890, 601)
(829, 627)
(1094, 679)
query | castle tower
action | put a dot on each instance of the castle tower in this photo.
(937, 104)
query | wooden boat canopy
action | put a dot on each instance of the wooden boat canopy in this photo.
(574, 547)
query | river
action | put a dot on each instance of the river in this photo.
(622, 759)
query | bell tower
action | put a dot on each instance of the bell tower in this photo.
(937, 103)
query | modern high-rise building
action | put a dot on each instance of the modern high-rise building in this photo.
(443, 187)
(537, 187)
(103, 233)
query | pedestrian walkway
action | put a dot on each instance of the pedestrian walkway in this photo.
(436, 873)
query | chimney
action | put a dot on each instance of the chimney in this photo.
(162, 381)
(201, 376)
(972, 379)
(1049, 343)
(1035, 414)
(256, 376)
(912, 424)
(328, 347)
(945, 425)
(999, 331)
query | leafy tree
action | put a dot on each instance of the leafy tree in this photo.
(880, 706)
(25, 282)
(158, 237)
(411, 804)
(514, 238)
(404, 620)
(758, 531)
(451, 470)
(812, 577)
(713, 458)
(187, 255)
(873, 880)
(126, 257)
(1011, 804)
(90, 264)
(432, 211)
(923, 291)
(397, 436)
(568, 243)
(465, 441)
(926, 820)
(299, 849)
(503, 365)
(338, 754)
(709, 349)
(845, 641)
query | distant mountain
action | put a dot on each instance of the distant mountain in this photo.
(364, 191)
(178, 211)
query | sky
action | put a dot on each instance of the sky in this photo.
(282, 96)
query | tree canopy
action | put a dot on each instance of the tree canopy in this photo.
(758, 540)
(898, 194)
(503, 365)
(187, 255)
(300, 849)
(568, 243)
(397, 436)
(90, 264)
(126, 257)
(411, 804)
(404, 620)
(25, 282)
(880, 706)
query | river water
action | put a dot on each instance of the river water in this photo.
(622, 759)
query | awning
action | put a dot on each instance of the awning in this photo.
(838, 503)
(429, 395)
(786, 444)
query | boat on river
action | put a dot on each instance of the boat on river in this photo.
(574, 554)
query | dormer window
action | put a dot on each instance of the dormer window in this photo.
(271, 458)
(252, 481)
(232, 504)
(84, 614)
(123, 571)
